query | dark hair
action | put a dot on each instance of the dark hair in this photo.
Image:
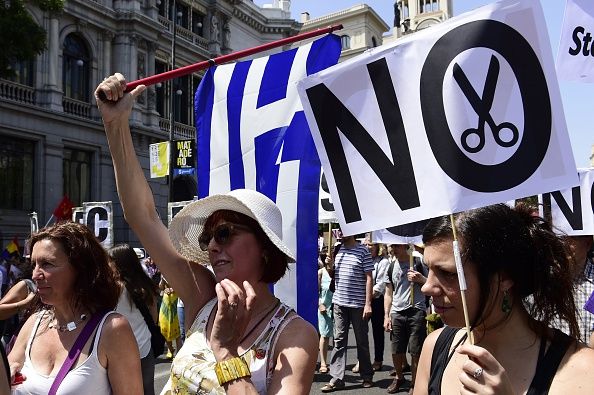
(514, 242)
(139, 285)
(95, 287)
(276, 264)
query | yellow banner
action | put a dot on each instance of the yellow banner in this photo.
(159, 159)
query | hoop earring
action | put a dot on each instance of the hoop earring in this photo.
(506, 304)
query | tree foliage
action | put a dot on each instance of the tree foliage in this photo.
(22, 38)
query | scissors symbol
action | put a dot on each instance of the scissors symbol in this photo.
(482, 106)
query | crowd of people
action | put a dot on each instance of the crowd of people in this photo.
(87, 320)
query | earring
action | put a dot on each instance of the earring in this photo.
(506, 304)
(265, 257)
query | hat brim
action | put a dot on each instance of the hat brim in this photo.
(186, 227)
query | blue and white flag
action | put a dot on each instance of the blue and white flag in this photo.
(252, 133)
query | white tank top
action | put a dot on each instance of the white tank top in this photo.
(128, 309)
(88, 378)
(192, 370)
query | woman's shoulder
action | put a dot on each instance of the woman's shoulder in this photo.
(298, 332)
(575, 374)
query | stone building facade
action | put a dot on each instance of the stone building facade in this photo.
(51, 138)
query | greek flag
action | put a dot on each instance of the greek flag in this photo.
(252, 133)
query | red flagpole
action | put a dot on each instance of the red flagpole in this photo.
(226, 58)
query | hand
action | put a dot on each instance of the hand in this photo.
(234, 310)
(322, 308)
(15, 374)
(415, 277)
(492, 379)
(367, 311)
(118, 105)
(387, 324)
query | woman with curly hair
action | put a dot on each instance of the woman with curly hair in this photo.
(74, 342)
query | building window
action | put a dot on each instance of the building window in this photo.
(181, 93)
(162, 5)
(23, 72)
(183, 15)
(373, 42)
(198, 23)
(76, 69)
(428, 6)
(345, 42)
(16, 173)
(77, 175)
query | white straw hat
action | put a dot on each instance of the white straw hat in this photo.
(186, 227)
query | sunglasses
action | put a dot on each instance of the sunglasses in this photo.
(221, 234)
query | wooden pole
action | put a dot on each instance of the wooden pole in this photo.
(411, 266)
(461, 279)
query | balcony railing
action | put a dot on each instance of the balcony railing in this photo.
(17, 92)
(76, 107)
(180, 130)
(184, 33)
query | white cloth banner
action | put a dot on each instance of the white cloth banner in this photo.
(575, 58)
(326, 212)
(459, 116)
(98, 216)
(572, 210)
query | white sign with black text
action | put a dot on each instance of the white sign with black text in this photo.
(326, 212)
(98, 216)
(575, 57)
(571, 210)
(462, 115)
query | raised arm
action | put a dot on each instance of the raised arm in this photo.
(194, 283)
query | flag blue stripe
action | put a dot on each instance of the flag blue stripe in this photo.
(203, 104)
(323, 54)
(276, 77)
(234, 105)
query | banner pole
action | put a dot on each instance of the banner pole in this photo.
(330, 240)
(461, 279)
(49, 220)
(411, 267)
(223, 59)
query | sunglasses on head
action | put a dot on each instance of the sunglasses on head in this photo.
(221, 233)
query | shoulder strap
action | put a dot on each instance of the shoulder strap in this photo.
(547, 365)
(441, 357)
(390, 272)
(75, 351)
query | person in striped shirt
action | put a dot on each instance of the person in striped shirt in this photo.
(351, 305)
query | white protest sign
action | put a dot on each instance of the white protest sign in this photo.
(99, 218)
(571, 210)
(78, 215)
(459, 116)
(326, 212)
(175, 207)
(402, 234)
(575, 57)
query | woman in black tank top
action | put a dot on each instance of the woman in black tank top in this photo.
(519, 279)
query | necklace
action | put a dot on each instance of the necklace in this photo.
(70, 326)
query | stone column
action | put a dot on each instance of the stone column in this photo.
(108, 36)
(51, 93)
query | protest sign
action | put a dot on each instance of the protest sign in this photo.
(575, 57)
(185, 160)
(459, 116)
(571, 210)
(99, 218)
(326, 212)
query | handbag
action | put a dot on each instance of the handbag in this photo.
(157, 338)
(74, 352)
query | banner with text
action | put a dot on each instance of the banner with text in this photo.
(326, 212)
(462, 115)
(159, 159)
(98, 216)
(571, 210)
(575, 57)
(185, 158)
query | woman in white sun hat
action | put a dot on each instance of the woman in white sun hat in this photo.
(241, 339)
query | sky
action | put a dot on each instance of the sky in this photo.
(577, 98)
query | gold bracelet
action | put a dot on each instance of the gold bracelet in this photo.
(231, 369)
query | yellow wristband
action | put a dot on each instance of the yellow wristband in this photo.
(231, 369)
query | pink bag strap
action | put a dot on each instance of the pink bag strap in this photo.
(74, 352)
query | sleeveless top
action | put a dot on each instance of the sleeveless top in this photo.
(546, 365)
(88, 378)
(192, 370)
(142, 334)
